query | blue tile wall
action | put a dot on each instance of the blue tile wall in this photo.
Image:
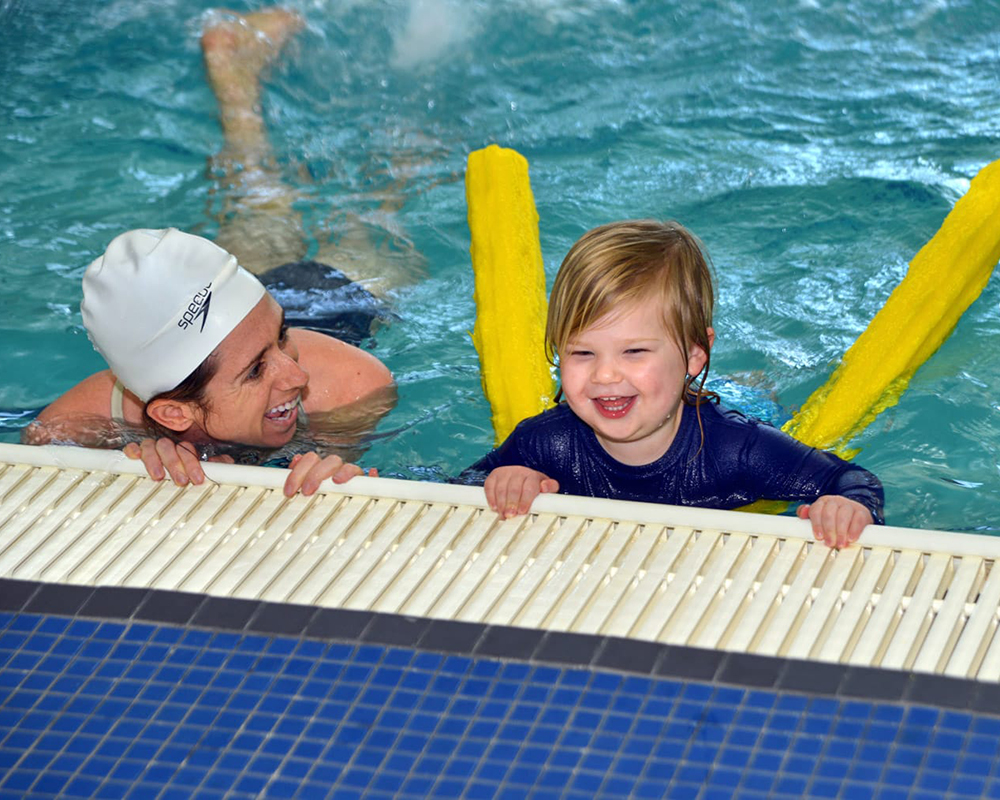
(127, 707)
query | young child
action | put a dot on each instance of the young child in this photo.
(630, 318)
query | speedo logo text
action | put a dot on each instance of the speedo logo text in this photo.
(198, 307)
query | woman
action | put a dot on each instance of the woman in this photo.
(198, 350)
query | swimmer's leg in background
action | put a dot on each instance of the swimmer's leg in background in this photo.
(373, 249)
(259, 224)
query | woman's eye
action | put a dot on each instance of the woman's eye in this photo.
(256, 371)
(283, 335)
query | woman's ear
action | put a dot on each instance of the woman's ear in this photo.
(171, 415)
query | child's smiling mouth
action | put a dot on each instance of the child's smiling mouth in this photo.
(614, 407)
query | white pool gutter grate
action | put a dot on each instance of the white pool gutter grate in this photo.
(908, 599)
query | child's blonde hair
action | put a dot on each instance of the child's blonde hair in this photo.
(614, 266)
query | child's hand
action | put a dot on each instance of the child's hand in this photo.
(836, 520)
(510, 491)
(309, 470)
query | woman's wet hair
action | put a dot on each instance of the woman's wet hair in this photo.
(613, 267)
(193, 389)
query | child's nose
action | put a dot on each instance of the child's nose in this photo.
(606, 371)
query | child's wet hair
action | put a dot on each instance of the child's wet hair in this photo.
(615, 266)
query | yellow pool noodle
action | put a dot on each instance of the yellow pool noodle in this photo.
(509, 287)
(944, 278)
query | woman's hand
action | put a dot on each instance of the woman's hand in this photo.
(308, 471)
(164, 457)
(836, 520)
(510, 491)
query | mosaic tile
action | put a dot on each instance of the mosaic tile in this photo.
(150, 704)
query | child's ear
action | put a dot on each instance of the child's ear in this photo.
(697, 356)
(171, 415)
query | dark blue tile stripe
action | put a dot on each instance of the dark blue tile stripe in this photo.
(627, 655)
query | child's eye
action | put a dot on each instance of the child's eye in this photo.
(636, 350)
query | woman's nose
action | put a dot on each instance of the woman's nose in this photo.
(292, 374)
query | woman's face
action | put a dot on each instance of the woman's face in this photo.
(253, 398)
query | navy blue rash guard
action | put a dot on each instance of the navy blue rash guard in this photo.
(742, 460)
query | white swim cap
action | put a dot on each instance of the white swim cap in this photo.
(158, 302)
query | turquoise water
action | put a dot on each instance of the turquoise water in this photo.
(813, 147)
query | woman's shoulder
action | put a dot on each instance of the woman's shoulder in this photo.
(91, 396)
(78, 409)
(339, 373)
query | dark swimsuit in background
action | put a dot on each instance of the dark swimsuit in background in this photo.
(322, 298)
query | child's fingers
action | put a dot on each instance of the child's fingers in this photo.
(810, 511)
(845, 525)
(490, 487)
(825, 517)
(502, 490)
(860, 521)
(530, 487)
(837, 521)
(498, 491)
(511, 502)
(510, 491)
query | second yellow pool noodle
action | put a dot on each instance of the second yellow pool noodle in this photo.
(509, 287)
(943, 280)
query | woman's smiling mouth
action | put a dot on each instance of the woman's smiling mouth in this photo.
(284, 412)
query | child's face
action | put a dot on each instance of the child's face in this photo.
(624, 377)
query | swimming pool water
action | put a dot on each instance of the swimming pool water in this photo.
(813, 147)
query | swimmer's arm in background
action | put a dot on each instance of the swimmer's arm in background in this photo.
(339, 373)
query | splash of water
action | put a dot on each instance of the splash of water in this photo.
(433, 29)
